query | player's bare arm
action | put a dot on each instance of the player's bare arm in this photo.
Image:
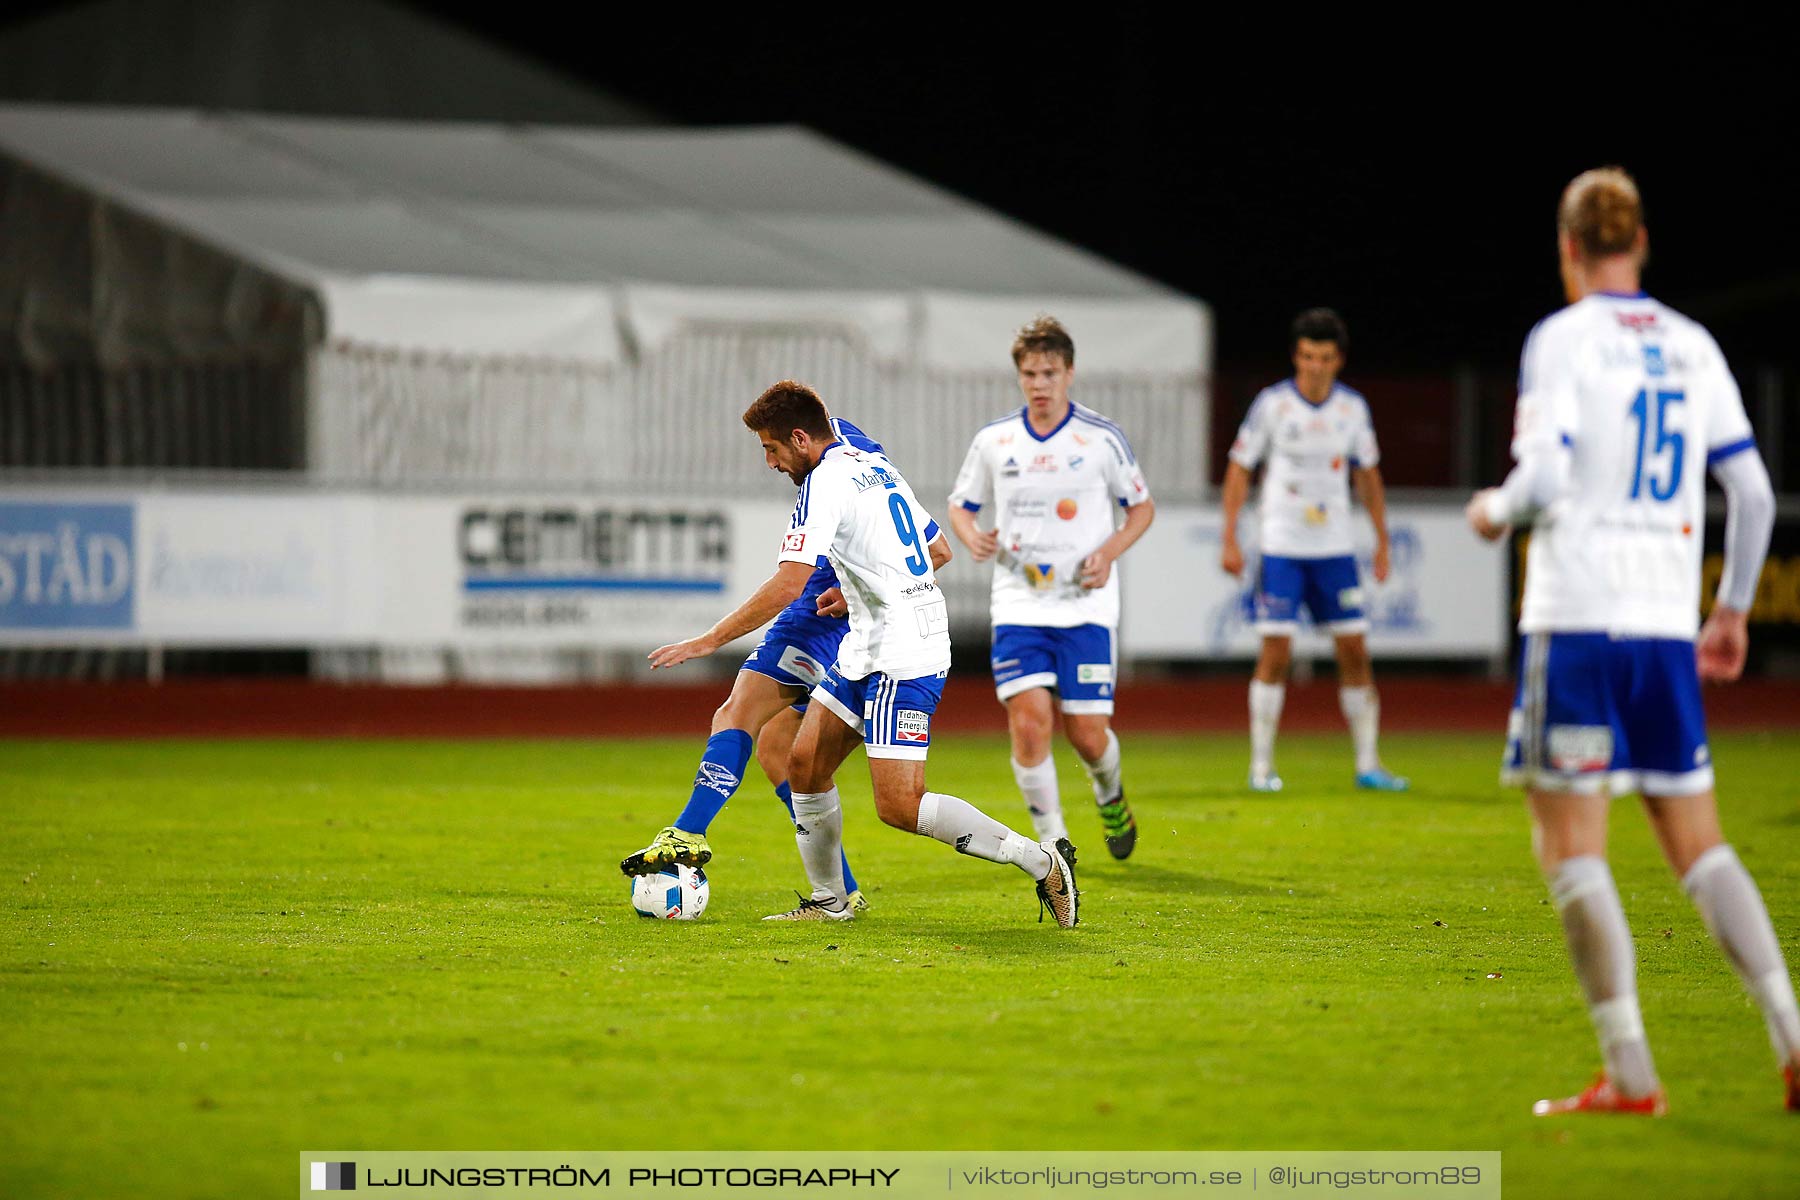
(1236, 492)
(940, 551)
(777, 592)
(1373, 497)
(1096, 568)
(981, 544)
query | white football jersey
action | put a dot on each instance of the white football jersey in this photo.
(856, 509)
(1056, 498)
(1642, 398)
(1304, 508)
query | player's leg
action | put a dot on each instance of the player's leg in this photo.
(1024, 673)
(754, 698)
(1086, 671)
(897, 739)
(1569, 835)
(1687, 827)
(1676, 776)
(1280, 586)
(1361, 706)
(831, 729)
(773, 746)
(1268, 692)
(1564, 742)
(1334, 596)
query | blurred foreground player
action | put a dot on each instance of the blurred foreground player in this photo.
(1055, 472)
(765, 706)
(1315, 435)
(1624, 405)
(855, 508)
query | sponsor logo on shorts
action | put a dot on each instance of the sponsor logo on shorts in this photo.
(1576, 748)
(1702, 756)
(716, 777)
(1350, 597)
(1094, 673)
(801, 665)
(911, 725)
(793, 543)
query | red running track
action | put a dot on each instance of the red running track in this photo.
(288, 708)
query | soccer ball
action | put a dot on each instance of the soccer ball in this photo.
(674, 893)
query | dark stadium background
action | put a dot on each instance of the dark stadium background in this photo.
(1407, 176)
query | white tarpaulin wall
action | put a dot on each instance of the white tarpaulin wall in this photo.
(510, 303)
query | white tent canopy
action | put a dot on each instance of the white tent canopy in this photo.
(552, 241)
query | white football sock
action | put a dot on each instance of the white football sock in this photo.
(1104, 772)
(1600, 947)
(1362, 712)
(819, 832)
(961, 825)
(1265, 714)
(1733, 909)
(1043, 799)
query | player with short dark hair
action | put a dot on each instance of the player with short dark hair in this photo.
(1055, 474)
(770, 692)
(1311, 432)
(856, 509)
(1624, 406)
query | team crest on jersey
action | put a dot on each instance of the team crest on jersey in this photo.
(1075, 461)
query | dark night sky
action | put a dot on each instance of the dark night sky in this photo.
(1414, 190)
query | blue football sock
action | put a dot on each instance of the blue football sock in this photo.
(785, 794)
(721, 770)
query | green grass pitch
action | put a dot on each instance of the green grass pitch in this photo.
(219, 954)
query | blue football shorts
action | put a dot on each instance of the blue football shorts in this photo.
(1080, 663)
(893, 715)
(797, 650)
(1594, 712)
(1328, 588)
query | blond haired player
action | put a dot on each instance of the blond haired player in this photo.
(1624, 406)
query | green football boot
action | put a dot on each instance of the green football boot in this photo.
(667, 848)
(1121, 826)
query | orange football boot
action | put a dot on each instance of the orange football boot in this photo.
(1602, 1096)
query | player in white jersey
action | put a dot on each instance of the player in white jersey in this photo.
(1315, 435)
(856, 509)
(1624, 406)
(1055, 474)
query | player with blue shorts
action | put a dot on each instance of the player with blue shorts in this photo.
(1313, 436)
(765, 705)
(1067, 499)
(1624, 407)
(881, 693)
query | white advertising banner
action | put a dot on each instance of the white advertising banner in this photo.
(567, 571)
(300, 568)
(306, 568)
(1446, 596)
